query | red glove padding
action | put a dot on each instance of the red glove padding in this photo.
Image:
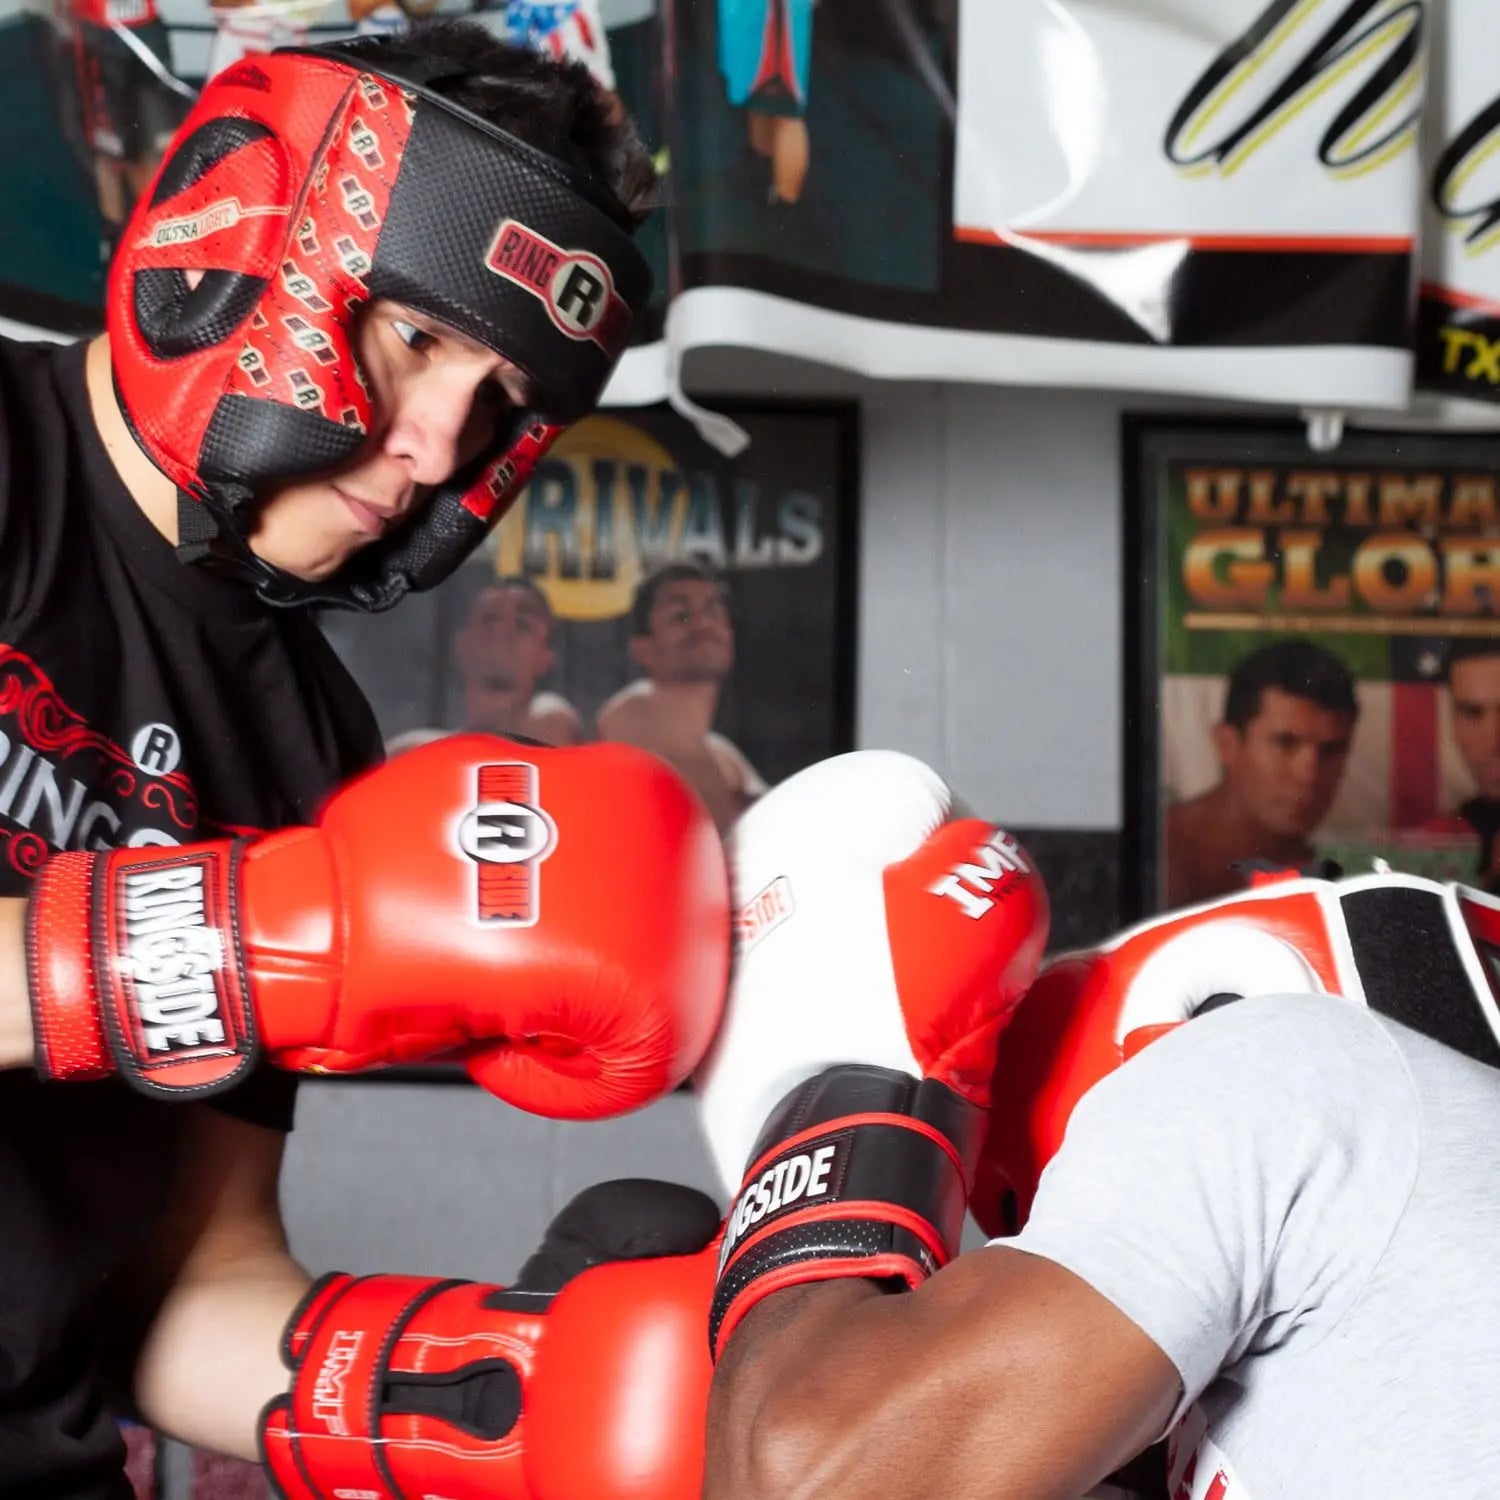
(557, 920)
(587, 1380)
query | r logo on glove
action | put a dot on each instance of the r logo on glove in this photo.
(507, 840)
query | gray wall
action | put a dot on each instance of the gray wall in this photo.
(988, 646)
(990, 596)
(442, 1180)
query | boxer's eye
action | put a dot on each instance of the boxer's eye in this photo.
(412, 336)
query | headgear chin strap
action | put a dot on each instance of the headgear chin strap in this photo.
(302, 186)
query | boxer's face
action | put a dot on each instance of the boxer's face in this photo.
(437, 399)
(506, 642)
(691, 639)
(1474, 693)
(1284, 767)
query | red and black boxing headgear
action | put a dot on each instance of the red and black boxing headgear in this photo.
(1424, 954)
(302, 186)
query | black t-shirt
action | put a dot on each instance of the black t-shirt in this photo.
(141, 701)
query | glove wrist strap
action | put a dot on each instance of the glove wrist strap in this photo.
(66, 1024)
(860, 1172)
(402, 1386)
(323, 1438)
(135, 967)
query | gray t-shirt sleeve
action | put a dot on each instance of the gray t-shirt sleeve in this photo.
(1231, 1189)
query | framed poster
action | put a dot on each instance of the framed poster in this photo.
(1312, 655)
(646, 589)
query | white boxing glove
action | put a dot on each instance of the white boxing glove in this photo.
(883, 940)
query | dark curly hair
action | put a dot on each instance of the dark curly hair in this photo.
(558, 107)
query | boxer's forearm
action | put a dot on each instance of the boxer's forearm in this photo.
(836, 1391)
(195, 1321)
(212, 1358)
(1001, 1378)
(15, 1008)
(757, 1426)
(824, 1393)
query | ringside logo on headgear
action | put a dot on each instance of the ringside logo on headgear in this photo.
(301, 190)
(574, 286)
(508, 835)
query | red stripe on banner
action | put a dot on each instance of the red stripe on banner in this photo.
(1414, 754)
(773, 50)
(1085, 239)
(1455, 298)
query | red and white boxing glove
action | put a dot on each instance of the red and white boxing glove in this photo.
(556, 920)
(883, 940)
(587, 1378)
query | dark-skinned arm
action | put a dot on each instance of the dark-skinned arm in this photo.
(1004, 1376)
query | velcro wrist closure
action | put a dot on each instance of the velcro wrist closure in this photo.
(860, 1172)
(323, 1436)
(67, 1028)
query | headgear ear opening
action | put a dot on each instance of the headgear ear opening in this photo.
(302, 187)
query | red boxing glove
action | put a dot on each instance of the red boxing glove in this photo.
(556, 920)
(884, 940)
(588, 1378)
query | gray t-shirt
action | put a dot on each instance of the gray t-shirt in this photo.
(1299, 1202)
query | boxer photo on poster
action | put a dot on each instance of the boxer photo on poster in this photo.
(648, 591)
(1312, 657)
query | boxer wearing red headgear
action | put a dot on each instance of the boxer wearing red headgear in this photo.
(366, 288)
(1270, 1232)
(1399, 944)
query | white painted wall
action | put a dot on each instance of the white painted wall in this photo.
(991, 597)
(443, 1180)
